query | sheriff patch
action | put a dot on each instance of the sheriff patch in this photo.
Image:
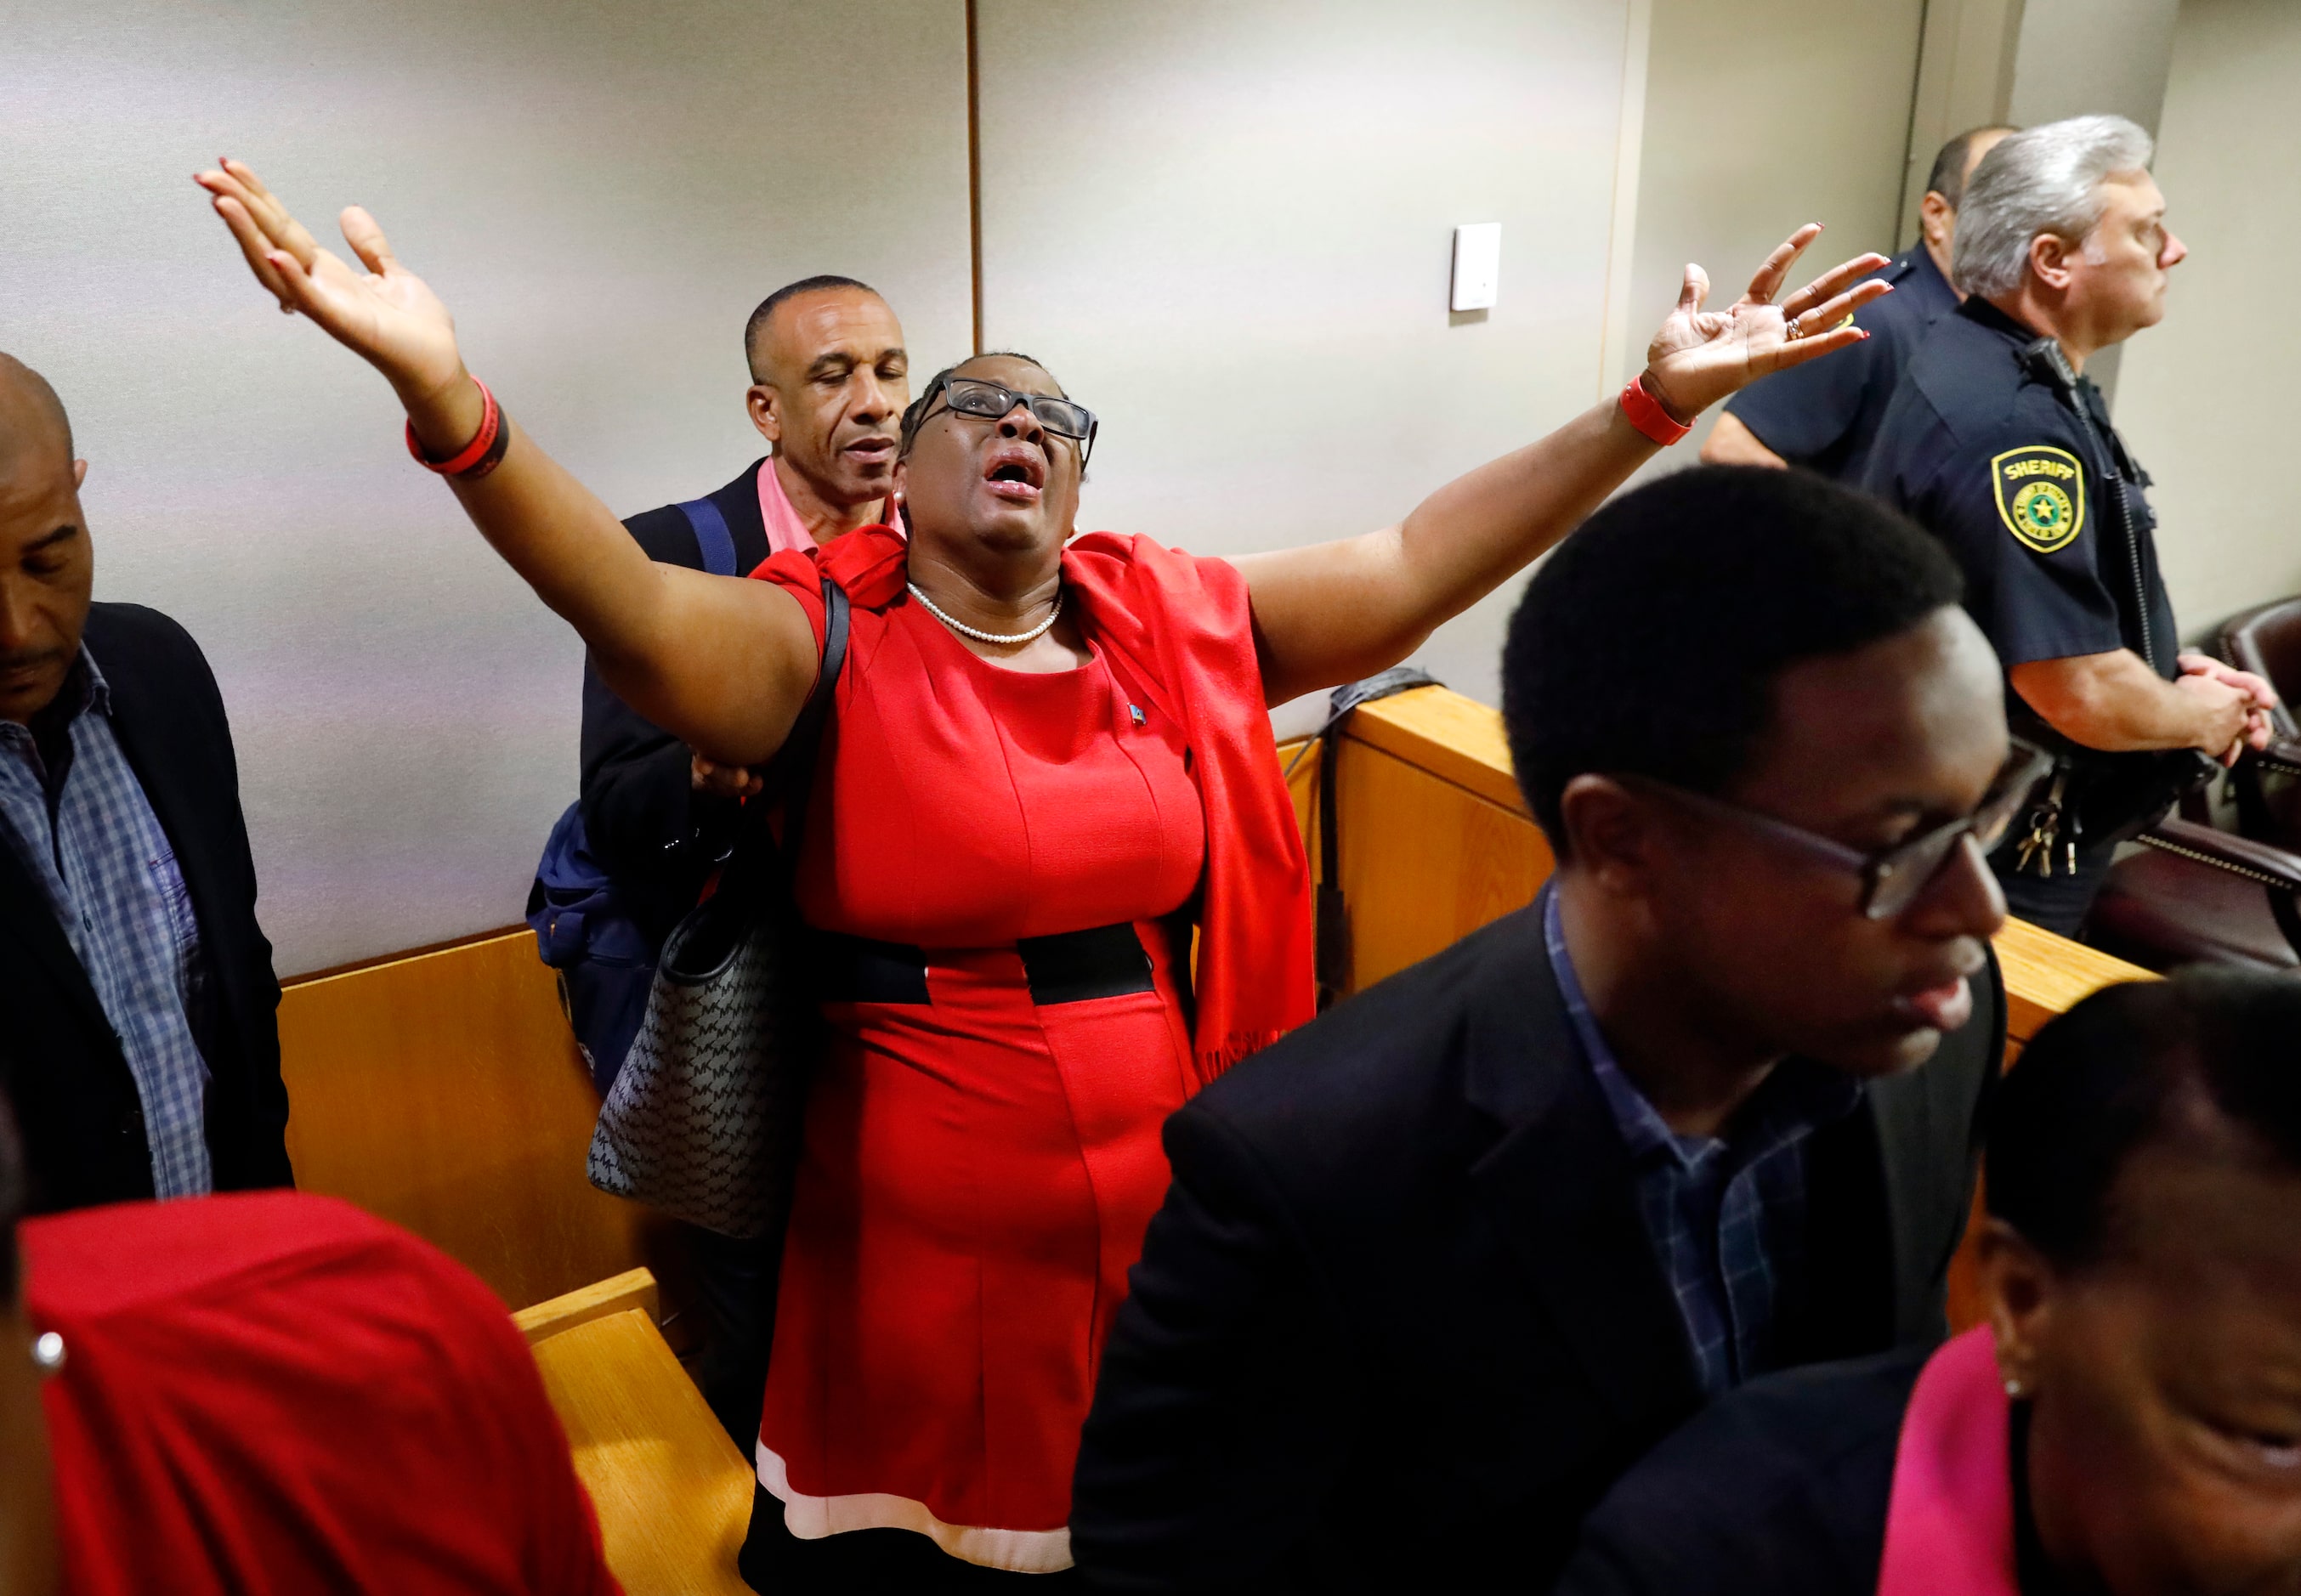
(2040, 496)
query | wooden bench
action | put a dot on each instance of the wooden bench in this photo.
(673, 1493)
(442, 1090)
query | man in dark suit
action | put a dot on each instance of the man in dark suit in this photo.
(1437, 1268)
(828, 381)
(137, 1028)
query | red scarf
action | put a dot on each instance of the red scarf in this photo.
(1949, 1522)
(1182, 627)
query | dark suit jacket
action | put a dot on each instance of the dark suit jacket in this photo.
(1399, 1323)
(648, 829)
(75, 1100)
(1779, 1489)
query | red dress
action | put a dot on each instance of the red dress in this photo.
(978, 1168)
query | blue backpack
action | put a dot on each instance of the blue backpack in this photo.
(605, 962)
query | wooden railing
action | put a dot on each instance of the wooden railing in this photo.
(443, 1092)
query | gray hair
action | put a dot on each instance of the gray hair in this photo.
(2044, 180)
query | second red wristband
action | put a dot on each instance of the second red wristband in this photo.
(477, 457)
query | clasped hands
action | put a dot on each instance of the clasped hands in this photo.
(2203, 674)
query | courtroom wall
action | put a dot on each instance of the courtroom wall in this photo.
(2077, 58)
(2205, 397)
(600, 193)
(1227, 229)
(1758, 121)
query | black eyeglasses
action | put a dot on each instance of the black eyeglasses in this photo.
(1892, 877)
(973, 395)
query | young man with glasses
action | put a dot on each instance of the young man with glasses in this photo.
(1436, 1269)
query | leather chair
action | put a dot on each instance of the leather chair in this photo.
(2198, 894)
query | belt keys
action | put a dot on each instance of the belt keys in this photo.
(2046, 832)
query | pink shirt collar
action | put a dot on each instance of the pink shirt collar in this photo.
(1949, 1523)
(785, 529)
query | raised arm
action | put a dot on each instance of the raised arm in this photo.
(724, 664)
(1335, 611)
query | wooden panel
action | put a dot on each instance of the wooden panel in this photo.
(1448, 735)
(445, 1094)
(634, 1289)
(673, 1493)
(1425, 861)
(2047, 975)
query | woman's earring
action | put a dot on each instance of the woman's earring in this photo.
(2014, 1388)
(48, 1352)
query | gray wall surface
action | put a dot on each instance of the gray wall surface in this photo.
(2204, 398)
(1227, 229)
(600, 193)
(1756, 122)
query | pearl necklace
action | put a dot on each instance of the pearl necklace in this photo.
(1031, 636)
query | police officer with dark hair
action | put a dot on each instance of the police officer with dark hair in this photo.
(1996, 443)
(1823, 415)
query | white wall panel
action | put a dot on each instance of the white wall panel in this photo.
(2205, 397)
(1226, 228)
(600, 192)
(1757, 121)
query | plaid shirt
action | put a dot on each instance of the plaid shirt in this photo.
(1726, 1215)
(87, 833)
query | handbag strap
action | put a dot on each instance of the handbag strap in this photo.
(712, 538)
(790, 775)
(1331, 947)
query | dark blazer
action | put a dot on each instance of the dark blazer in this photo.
(646, 827)
(1779, 1489)
(1399, 1323)
(75, 1100)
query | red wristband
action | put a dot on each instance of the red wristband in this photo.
(475, 458)
(1642, 411)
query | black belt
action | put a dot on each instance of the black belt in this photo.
(1106, 962)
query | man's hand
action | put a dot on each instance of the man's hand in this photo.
(2259, 727)
(2114, 702)
(1731, 443)
(2227, 714)
(723, 780)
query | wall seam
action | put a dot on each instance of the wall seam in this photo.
(974, 171)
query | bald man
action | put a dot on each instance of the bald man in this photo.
(137, 1028)
(828, 381)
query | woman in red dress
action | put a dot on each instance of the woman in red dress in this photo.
(1050, 757)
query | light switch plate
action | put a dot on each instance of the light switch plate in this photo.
(1478, 265)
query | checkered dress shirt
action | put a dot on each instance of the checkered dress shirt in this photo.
(1726, 1215)
(87, 833)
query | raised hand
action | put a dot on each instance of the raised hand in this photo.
(1700, 356)
(386, 315)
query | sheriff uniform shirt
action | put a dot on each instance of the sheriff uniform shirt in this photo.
(1986, 454)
